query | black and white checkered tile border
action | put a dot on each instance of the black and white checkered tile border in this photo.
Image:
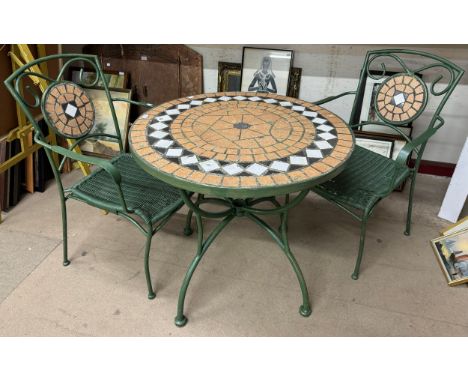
(159, 137)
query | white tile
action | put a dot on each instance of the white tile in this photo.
(270, 100)
(298, 160)
(174, 153)
(71, 110)
(188, 159)
(319, 120)
(196, 102)
(285, 103)
(144, 116)
(159, 134)
(256, 169)
(325, 128)
(209, 99)
(240, 98)
(279, 166)
(311, 114)
(172, 112)
(164, 143)
(399, 98)
(323, 145)
(255, 98)
(314, 153)
(209, 165)
(327, 136)
(233, 169)
(158, 126)
(298, 108)
(225, 98)
(163, 118)
(183, 106)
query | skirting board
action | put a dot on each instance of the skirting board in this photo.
(435, 168)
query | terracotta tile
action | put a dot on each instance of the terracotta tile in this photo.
(170, 168)
(297, 175)
(311, 172)
(231, 181)
(321, 167)
(248, 181)
(213, 179)
(266, 180)
(183, 172)
(331, 161)
(281, 179)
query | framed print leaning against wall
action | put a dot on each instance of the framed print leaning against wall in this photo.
(266, 70)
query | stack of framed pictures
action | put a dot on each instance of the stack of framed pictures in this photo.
(262, 70)
(380, 139)
(117, 83)
(451, 250)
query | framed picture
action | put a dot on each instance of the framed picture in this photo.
(458, 226)
(105, 147)
(114, 79)
(294, 84)
(377, 144)
(229, 75)
(452, 255)
(266, 70)
(368, 112)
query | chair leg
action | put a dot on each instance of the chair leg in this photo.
(410, 206)
(355, 274)
(188, 224)
(63, 206)
(149, 236)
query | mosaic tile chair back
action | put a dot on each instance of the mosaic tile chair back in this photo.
(241, 144)
(400, 98)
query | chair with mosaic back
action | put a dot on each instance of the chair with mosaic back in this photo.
(401, 98)
(117, 185)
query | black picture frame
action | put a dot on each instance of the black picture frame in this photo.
(252, 61)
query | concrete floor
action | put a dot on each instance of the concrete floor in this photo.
(243, 287)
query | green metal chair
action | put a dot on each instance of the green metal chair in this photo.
(400, 99)
(118, 185)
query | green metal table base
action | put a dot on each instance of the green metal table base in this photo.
(239, 208)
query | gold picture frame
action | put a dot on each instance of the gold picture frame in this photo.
(106, 147)
(458, 226)
(452, 255)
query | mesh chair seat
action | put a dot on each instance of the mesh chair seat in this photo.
(141, 191)
(366, 179)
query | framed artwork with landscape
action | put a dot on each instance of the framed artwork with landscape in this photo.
(266, 70)
(106, 147)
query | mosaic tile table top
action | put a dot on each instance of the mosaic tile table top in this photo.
(241, 144)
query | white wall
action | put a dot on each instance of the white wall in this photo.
(332, 69)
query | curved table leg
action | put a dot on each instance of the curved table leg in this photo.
(181, 319)
(282, 241)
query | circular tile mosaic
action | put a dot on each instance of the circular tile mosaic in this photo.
(69, 110)
(241, 140)
(401, 98)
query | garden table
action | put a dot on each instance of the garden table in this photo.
(241, 151)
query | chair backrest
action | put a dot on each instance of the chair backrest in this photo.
(65, 104)
(407, 81)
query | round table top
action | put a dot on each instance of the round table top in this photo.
(241, 145)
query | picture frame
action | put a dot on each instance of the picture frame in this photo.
(368, 112)
(229, 75)
(452, 256)
(266, 70)
(114, 79)
(376, 143)
(105, 147)
(458, 226)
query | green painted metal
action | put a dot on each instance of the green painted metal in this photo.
(363, 183)
(240, 208)
(149, 219)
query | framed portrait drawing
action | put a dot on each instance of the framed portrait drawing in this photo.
(377, 144)
(452, 255)
(266, 70)
(106, 147)
(114, 79)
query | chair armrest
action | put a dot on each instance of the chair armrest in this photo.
(102, 163)
(145, 104)
(328, 99)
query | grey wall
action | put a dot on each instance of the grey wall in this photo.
(331, 69)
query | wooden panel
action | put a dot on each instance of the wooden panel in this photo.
(8, 119)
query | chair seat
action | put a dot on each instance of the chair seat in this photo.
(367, 178)
(142, 192)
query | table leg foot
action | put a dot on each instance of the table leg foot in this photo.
(151, 296)
(355, 276)
(188, 231)
(180, 321)
(66, 263)
(305, 312)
